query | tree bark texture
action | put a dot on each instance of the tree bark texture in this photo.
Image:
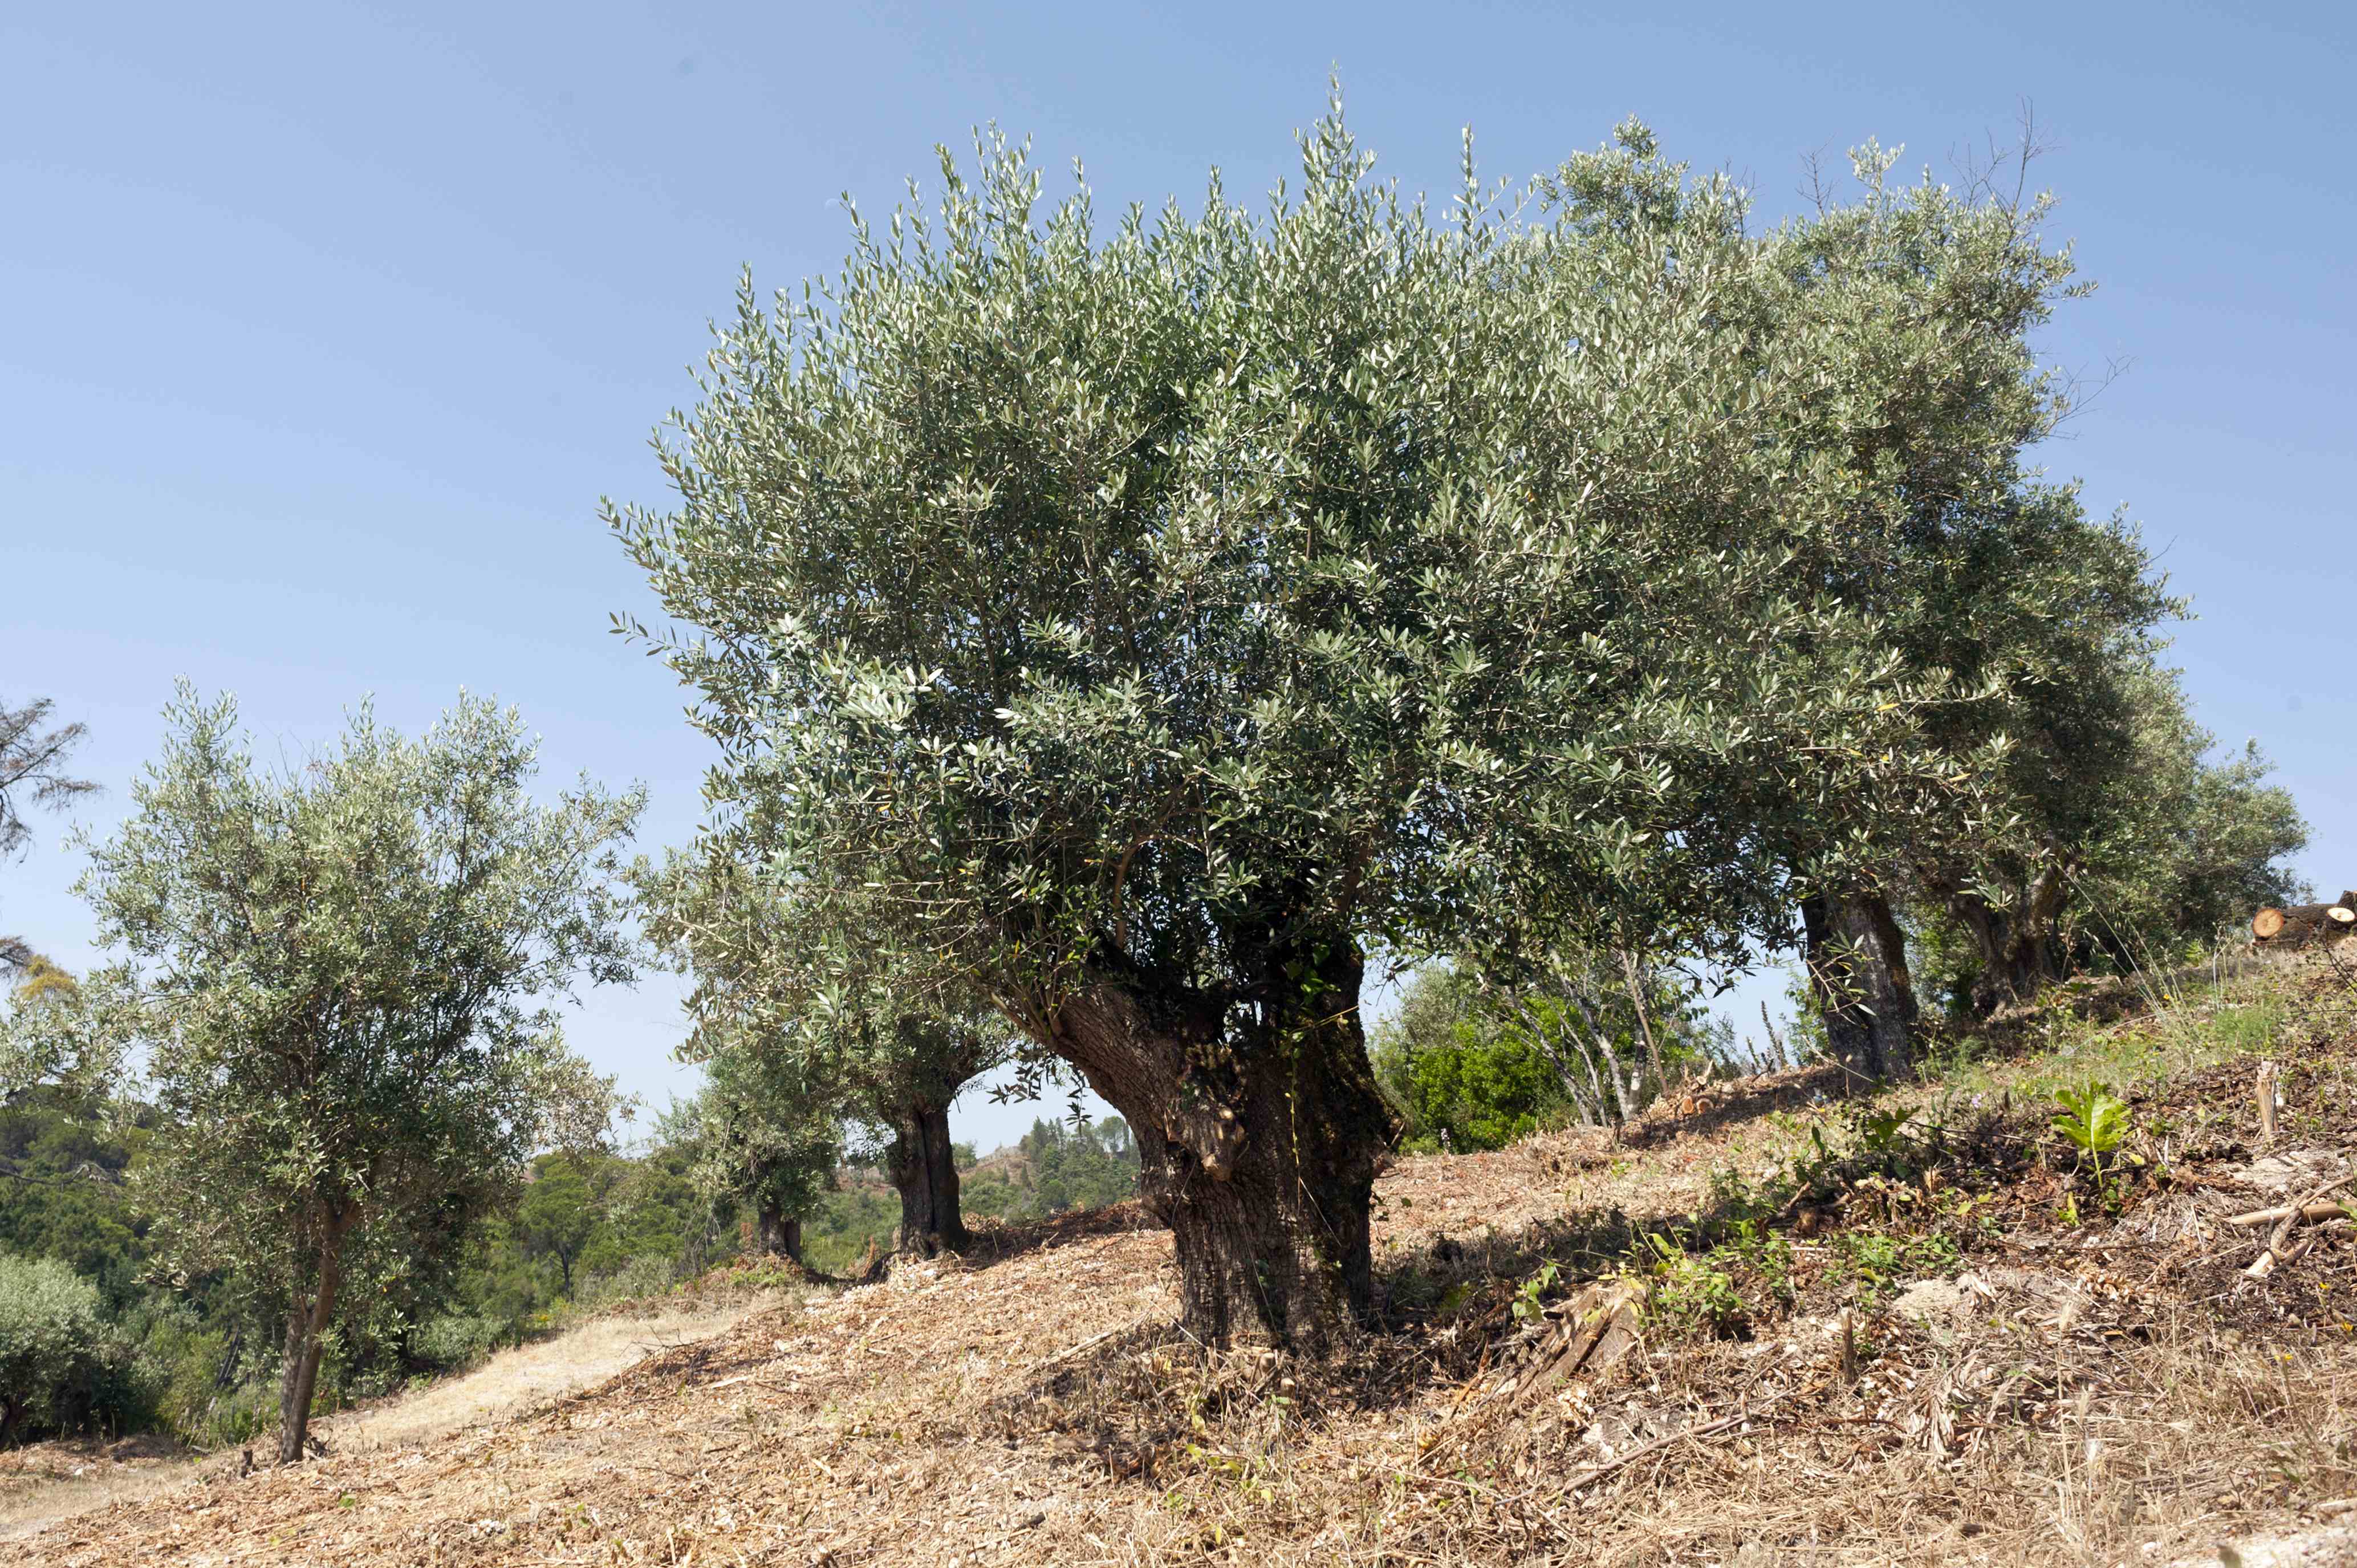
(1857, 967)
(924, 1168)
(2016, 945)
(775, 1233)
(306, 1333)
(1259, 1127)
(2303, 922)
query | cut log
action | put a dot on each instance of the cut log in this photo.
(2302, 922)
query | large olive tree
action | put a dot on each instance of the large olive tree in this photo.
(1137, 625)
(339, 974)
(1921, 303)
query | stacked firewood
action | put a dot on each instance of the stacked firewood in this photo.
(2306, 922)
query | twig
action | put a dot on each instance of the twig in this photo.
(1094, 1339)
(1706, 1429)
(2273, 1252)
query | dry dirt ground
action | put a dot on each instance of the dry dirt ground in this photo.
(1915, 1330)
(46, 1482)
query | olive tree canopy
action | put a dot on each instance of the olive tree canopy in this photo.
(340, 976)
(1138, 625)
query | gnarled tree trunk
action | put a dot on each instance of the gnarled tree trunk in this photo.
(2015, 945)
(924, 1169)
(1259, 1128)
(306, 1334)
(776, 1232)
(1857, 967)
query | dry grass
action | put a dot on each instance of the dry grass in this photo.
(2048, 1392)
(47, 1482)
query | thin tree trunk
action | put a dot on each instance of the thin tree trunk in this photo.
(1259, 1126)
(924, 1168)
(1586, 1097)
(1634, 980)
(307, 1331)
(1623, 1091)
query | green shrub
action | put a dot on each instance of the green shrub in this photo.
(458, 1339)
(56, 1353)
(1473, 1090)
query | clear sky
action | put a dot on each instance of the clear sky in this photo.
(323, 326)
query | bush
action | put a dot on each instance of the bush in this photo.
(456, 1341)
(56, 1355)
(651, 1274)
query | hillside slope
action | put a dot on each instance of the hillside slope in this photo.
(1938, 1340)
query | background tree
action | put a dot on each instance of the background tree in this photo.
(335, 973)
(559, 1215)
(1135, 629)
(806, 1029)
(768, 1139)
(32, 774)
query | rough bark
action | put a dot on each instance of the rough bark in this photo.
(924, 1169)
(307, 1331)
(1259, 1128)
(776, 1232)
(2304, 922)
(1857, 967)
(2016, 945)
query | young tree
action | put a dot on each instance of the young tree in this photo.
(557, 1216)
(766, 1135)
(1136, 627)
(339, 974)
(32, 773)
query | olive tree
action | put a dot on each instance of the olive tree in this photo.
(1139, 626)
(801, 1032)
(340, 973)
(1921, 303)
(767, 1137)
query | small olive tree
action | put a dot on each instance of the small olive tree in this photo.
(766, 1136)
(1134, 626)
(338, 973)
(801, 1032)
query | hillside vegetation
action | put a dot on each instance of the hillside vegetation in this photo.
(1925, 1326)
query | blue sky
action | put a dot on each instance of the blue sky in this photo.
(326, 326)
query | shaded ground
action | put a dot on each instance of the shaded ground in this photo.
(1940, 1340)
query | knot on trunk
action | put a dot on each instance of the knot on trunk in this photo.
(1205, 1128)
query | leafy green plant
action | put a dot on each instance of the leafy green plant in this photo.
(2094, 1122)
(1690, 1291)
(1878, 1260)
(1530, 1299)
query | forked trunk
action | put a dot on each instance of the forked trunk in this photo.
(924, 1168)
(1857, 967)
(2016, 945)
(1259, 1128)
(306, 1333)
